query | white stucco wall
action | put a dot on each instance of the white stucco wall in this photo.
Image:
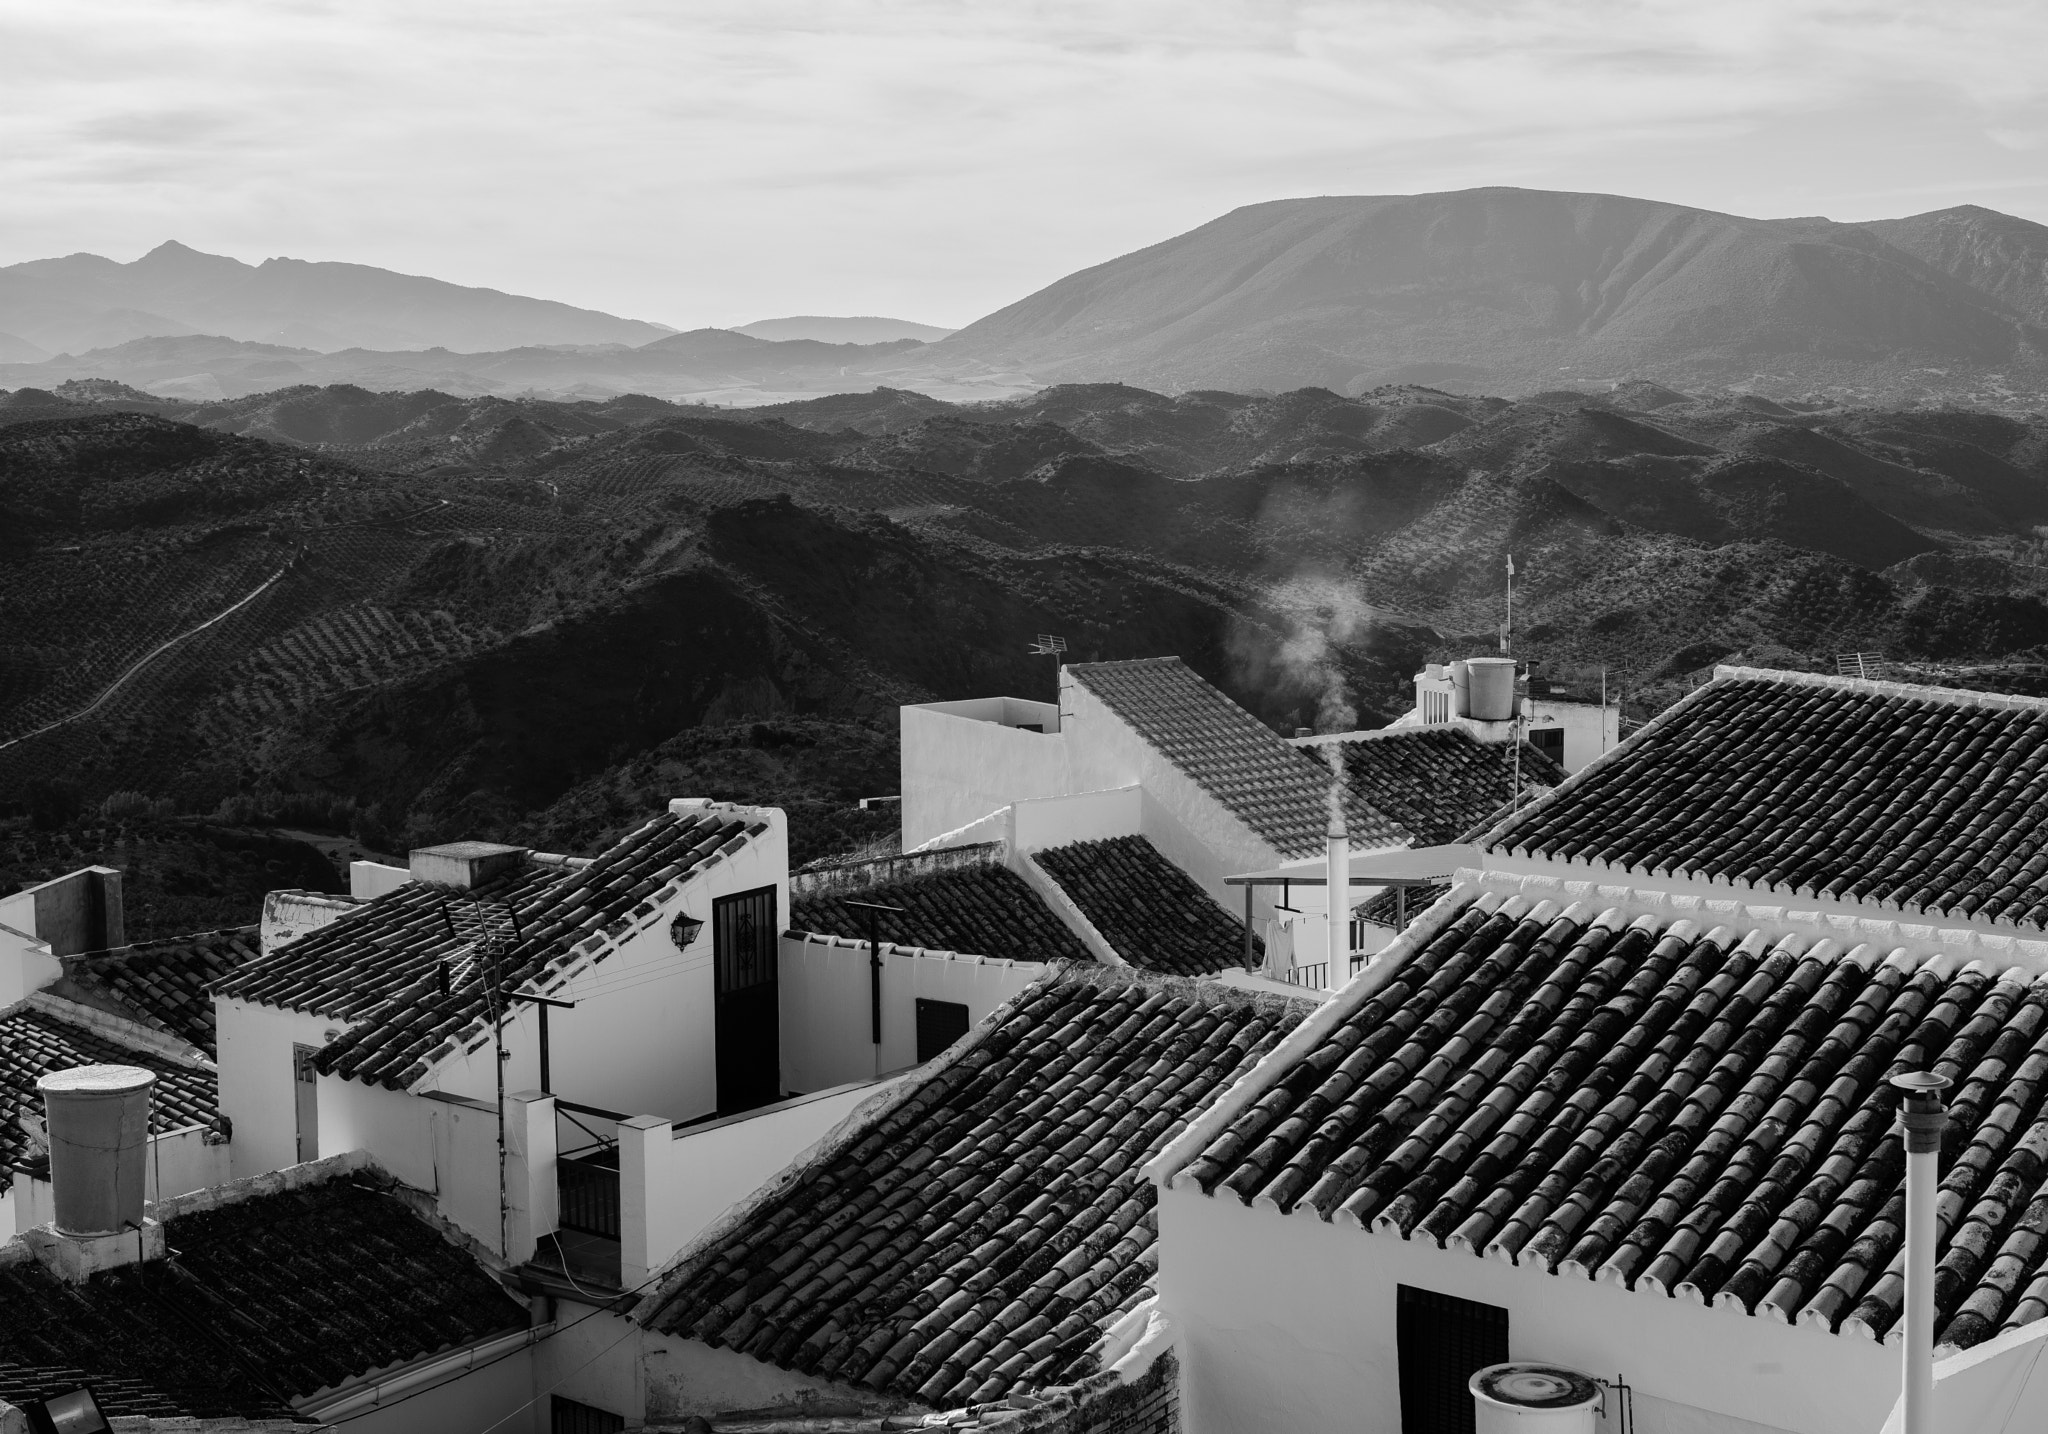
(476, 1400)
(447, 1147)
(368, 880)
(827, 1025)
(26, 964)
(643, 1036)
(674, 1183)
(681, 1377)
(1288, 1322)
(1999, 1386)
(1589, 729)
(257, 1092)
(957, 767)
(593, 1358)
(288, 915)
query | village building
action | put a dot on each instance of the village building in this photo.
(974, 1248)
(1149, 750)
(327, 1295)
(147, 1004)
(1621, 1099)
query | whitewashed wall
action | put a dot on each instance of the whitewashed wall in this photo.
(257, 1091)
(827, 1025)
(674, 1183)
(959, 763)
(1288, 1322)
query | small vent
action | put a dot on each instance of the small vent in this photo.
(939, 1024)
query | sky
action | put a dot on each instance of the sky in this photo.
(720, 161)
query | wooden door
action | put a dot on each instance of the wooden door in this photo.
(745, 932)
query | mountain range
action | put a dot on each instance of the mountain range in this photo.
(1483, 291)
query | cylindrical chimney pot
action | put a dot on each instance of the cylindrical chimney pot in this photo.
(99, 1141)
(1922, 1119)
(1492, 682)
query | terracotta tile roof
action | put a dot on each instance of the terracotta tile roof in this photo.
(379, 966)
(1912, 798)
(1404, 786)
(266, 1300)
(1433, 785)
(1149, 910)
(167, 984)
(1273, 787)
(982, 910)
(34, 1042)
(976, 1236)
(1700, 1114)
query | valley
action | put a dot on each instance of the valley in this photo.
(410, 617)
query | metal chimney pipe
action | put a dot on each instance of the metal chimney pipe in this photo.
(1337, 875)
(1923, 1119)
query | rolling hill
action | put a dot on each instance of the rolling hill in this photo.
(416, 616)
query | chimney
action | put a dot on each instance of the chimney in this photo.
(1923, 1119)
(465, 865)
(1337, 872)
(98, 1118)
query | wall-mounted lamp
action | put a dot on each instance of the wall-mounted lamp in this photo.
(683, 930)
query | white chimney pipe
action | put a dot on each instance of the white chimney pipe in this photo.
(1923, 1119)
(1337, 875)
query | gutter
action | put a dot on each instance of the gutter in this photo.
(347, 1402)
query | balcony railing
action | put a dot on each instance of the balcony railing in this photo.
(589, 1189)
(1315, 976)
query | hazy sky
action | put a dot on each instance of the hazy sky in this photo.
(704, 162)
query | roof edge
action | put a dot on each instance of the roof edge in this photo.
(142, 1039)
(1914, 691)
(1487, 839)
(1304, 1038)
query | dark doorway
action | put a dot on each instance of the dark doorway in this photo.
(306, 1105)
(1443, 1341)
(939, 1024)
(566, 1416)
(744, 941)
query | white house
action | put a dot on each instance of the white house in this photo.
(1621, 1099)
(1149, 749)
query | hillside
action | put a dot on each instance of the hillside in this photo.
(417, 616)
(1511, 291)
(84, 302)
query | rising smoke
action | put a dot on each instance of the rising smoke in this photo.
(1302, 670)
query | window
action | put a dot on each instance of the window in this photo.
(1549, 741)
(939, 1024)
(1443, 1341)
(566, 1416)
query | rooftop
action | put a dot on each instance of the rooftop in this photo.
(379, 966)
(267, 1298)
(1273, 787)
(36, 1037)
(1910, 798)
(979, 1233)
(971, 904)
(1694, 1113)
(1403, 786)
(1435, 784)
(1149, 910)
(166, 984)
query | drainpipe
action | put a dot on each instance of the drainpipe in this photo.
(1923, 1119)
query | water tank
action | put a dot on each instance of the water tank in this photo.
(1526, 1398)
(99, 1145)
(1493, 688)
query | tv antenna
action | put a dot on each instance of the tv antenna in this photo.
(1055, 647)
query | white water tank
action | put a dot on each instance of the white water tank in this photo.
(99, 1145)
(1529, 1398)
(1493, 688)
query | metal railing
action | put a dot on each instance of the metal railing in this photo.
(588, 1187)
(1315, 976)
